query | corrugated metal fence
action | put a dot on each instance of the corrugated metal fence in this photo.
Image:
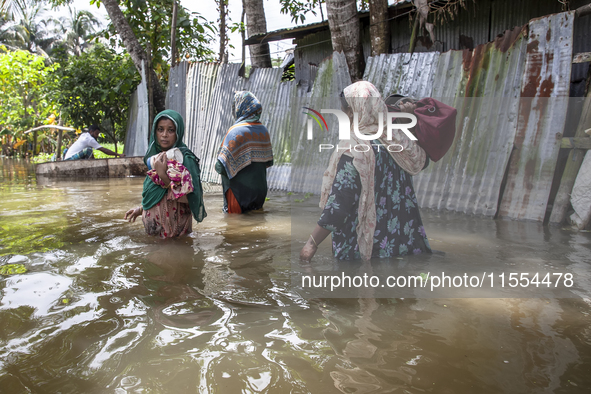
(506, 128)
(203, 93)
(502, 91)
(136, 138)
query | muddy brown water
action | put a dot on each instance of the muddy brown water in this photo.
(104, 308)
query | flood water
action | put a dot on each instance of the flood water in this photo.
(104, 308)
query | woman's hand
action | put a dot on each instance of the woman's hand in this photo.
(161, 166)
(133, 213)
(308, 251)
(407, 107)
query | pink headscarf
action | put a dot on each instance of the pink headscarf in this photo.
(411, 158)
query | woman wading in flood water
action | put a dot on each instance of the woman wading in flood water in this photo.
(172, 189)
(368, 200)
(244, 156)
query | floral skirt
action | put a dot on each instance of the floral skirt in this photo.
(168, 218)
(399, 229)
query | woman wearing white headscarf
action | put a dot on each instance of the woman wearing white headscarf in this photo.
(368, 200)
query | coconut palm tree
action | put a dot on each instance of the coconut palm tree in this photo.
(25, 29)
(343, 21)
(9, 32)
(77, 29)
(257, 24)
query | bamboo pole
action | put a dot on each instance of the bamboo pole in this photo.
(51, 126)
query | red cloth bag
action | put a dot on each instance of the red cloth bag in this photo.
(436, 124)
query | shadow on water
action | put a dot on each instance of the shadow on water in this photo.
(105, 308)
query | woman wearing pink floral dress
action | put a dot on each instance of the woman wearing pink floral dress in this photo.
(172, 194)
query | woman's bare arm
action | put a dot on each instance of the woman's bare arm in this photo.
(309, 250)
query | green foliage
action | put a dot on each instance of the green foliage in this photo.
(22, 27)
(42, 157)
(24, 100)
(100, 155)
(76, 30)
(298, 9)
(288, 74)
(151, 23)
(306, 196)
(237, 27)
(95, 88)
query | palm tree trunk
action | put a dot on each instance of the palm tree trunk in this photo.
(173, 50)
(257, 24)
(343, 22)
(243, 36)
(223, 14)
(379, 26)
(135, 50)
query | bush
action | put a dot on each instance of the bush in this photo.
(100, 155)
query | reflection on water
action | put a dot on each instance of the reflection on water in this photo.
(105, 308)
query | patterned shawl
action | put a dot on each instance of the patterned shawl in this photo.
(153, 192)
(248, 140)
(365, 100)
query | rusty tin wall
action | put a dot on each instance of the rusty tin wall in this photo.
(542, 114)
(478, 84)
(487, 87)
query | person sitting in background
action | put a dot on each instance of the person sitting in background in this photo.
(82, 148)
(244, 156)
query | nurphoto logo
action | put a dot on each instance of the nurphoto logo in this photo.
(345, 129)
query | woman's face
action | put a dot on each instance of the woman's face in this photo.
(165, 133)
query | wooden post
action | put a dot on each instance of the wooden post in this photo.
(413, 36)
(148, 66)
(58, 153)
(34, 142)
(573, 164)
(583, 10)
